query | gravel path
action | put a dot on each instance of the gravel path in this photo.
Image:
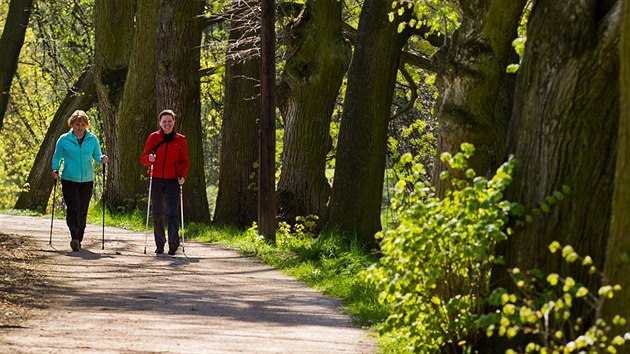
(210, 300)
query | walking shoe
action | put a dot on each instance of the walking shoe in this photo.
(171, 251)
(159, 250)
(75, 245)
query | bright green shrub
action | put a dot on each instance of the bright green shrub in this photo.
(435, 268)
(541, 309)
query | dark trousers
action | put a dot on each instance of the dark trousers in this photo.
(77, 198)
(165, 196)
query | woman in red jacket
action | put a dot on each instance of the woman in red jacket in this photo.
(167, 151)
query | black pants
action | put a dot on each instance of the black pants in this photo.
(165, 195)
(77, 198)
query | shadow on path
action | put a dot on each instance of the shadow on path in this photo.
(211, 300)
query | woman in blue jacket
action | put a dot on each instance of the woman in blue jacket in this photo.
(77, 148)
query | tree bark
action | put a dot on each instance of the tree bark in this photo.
(267, 223)
(137, 114)
(355, 204)
(319, 57)
(81, 96)
(563, 132)
(11, 43)
(178, 85)
(113, 41)
(474, 91)
(618, 254)
(236, 203)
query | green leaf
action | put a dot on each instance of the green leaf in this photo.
(406, 158)
(544, 207)
(582, 291)
(517, 209)
(552, 279)
(512, 68)
(554, 246)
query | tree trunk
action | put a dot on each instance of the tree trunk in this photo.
(355, 204)
(113, 41)
(308, 91)
(618, 254)
(137, 115)
(178, 85)
(475, 92)
(81, 96)
(267, 223)
(10, 46)
(236, 203)
(563, 132)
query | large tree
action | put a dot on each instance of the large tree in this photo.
(11, 43)
(618, 254)
(236, 203)
(309, 86)
(474, 91)
(81, 96)
(136, 114)
(113, 40)
(355, 204)
(563, 130)
(178, 56)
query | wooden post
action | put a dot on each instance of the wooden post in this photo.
(267, 142)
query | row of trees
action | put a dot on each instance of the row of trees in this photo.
(559, 114)
(123, 72)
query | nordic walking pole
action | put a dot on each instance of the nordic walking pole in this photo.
(146, 232)
(52, 216)
(181, 208)
(103, 202)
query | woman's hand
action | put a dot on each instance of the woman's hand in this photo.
(181, 180)
(151, 158)
(104, 159)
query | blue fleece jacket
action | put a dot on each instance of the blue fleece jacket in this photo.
(77, 159)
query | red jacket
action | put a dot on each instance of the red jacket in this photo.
(171, 158)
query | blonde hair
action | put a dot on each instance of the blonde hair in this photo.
(80, 116)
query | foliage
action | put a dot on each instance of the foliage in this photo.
(214, 47)
(540, 309)
(434, 272)
(305, 226)
(52, 58)
(441, 16)
(519, 42)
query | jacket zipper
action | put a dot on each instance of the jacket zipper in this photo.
(81, 157)
(164, 163)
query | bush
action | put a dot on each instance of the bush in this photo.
(541, 310)
(435, 269)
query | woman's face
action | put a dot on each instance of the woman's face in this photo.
(167, 123)
(78, 127)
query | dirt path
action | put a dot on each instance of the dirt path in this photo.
(211, 300)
